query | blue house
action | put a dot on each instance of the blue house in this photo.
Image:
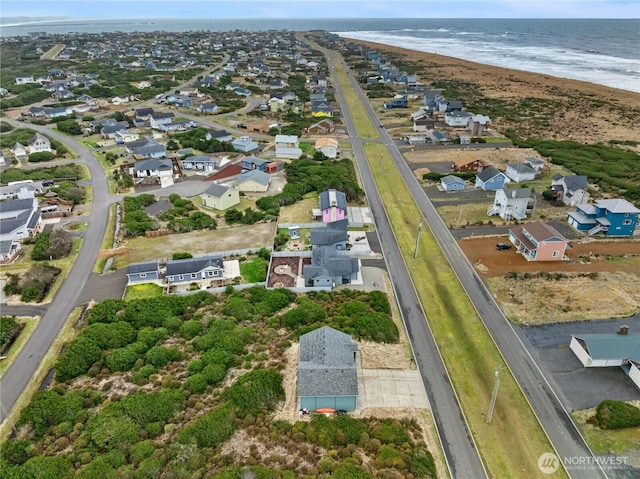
(254, 163)
(612, 217)
(194, 269)
(402, 102)
(452, 183)
(146, 272)
(491, 179)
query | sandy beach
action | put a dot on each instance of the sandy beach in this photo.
(529, 104)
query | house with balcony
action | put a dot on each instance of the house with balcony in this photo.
(571, 190)
(19, 219)
(457, 118)
(512, 203)
(615, 217)
(38, 144)
(199, 163)
(462, 165)
(538, 242)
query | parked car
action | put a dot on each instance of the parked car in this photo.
(501, 246)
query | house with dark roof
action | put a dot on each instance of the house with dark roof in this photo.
(220, 197)
(611, 217)
(329, 267)
(512, 203)
(571, 190)
(38, 143)
(327, 374)
(219, 135)
(19, 219)
(491, 179)
(194, 269)
(334, 235)
(254, 163)
(333, 205)
(457, 118)
(208, 108)
(145, 272)
(152, 171)
(9, 251)
(519, 172)
(146, 148)
(609, 349)
(160, 118)
(538, 242)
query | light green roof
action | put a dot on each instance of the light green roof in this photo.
(612, 345)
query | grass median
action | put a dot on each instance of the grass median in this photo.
(511, 444)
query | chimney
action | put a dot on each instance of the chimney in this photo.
(624, 329)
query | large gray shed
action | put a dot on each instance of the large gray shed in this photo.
(327, 376)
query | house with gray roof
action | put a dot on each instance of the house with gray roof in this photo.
(220, 197)
(19, 219)
(512, 203)
(194, 269)
(9, 251)
(334, 235)
(253, 181)
(245, 144)
(609, 349)
(491, 179)
(254, 163)
(146, 272)
(452, 183)
(333, 205)
(219, 135)
(519, 172)
(152, 171)
(327, 374)
(146, 148)
(571, 190)
(199, 163)
(329, 267)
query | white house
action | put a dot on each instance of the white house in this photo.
(511, 203)
(19, 151)
(160, 118)
(457, 118)
(22, 79)
(19, 219)
(570, 190)
(245, 144)
(154, 170)
(519, 172)
(202, 163)
(328, 146)
(38, 144)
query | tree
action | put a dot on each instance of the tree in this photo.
(172, 145)
(320, 156)
(40, 156)
(69, 126)
(78, 358)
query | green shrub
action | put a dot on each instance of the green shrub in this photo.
(190, 329)
(210, 430)
(196, 384)
(256, 391)
(48, 467)
(78, 358)
(612, 414)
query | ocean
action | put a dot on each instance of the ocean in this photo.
(605, 52)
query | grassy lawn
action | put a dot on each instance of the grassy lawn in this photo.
(254, 270)
(107, 241)
(142, 291)
(29, 325)
(300, 211)
(603, 441)
(511, 444)
(89, 142)
(363, 125)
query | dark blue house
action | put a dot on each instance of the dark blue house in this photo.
(146, 272)
(612, 217)
(491, 179)
(402, 102)
(254, 163)
(194, 269)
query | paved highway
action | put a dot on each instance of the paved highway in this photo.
(459, 448)
(18, 375)
(555, 419)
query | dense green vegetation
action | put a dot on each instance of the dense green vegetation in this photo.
(181, 348)
(305, 176)
(614, 170)
(64, 172)
(34, 284)
(467, 175)
(71, 126)
(51, 245)
(136, 221)
(182, 217)
(196, 139)
(9, 330)
(612, 414)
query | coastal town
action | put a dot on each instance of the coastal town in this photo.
(290, 252)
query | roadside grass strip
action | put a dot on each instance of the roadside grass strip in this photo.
(511, 445)
(360, 117)
(143, 291)
(29, 325)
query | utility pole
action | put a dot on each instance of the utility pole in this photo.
(492, 404)
(415, 253)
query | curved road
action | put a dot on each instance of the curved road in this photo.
(555, 419)
(459, 448)
(18, 375)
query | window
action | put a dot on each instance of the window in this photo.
(194, 275)
(556, 253)
(143, 275)
(180, 277)
(626, 222)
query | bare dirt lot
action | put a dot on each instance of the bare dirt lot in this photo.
(601, 280)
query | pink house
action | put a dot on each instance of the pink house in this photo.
(333, 204)
(538, 242)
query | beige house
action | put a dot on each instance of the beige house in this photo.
(329, 146)
(220, 197)
(254, 181)
(39, 143)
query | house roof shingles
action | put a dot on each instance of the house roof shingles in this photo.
(193, 265)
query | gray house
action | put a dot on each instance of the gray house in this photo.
(194, 269)
(327, 375)
(334, 235)
(329, 267)
(143, 272)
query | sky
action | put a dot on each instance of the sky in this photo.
(323, 9)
